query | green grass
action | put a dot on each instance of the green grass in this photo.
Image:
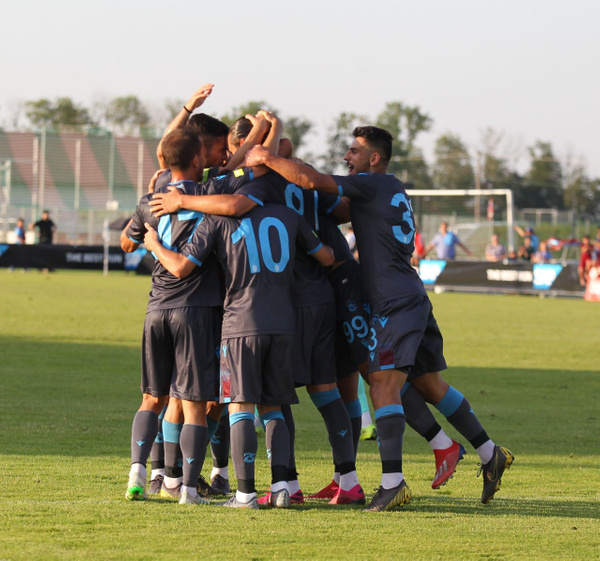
(69, 376)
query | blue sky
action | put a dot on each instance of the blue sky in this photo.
(528, 68)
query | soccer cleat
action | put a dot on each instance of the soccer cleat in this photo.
(369, 432)
(327, 492)
(493, 470)
(185, 499)
(355, 496)
(386, 499)
(170, 492)
(220, 484)
(234, 503)
(155, 485)
(296, 499)
(205, 489)
(136, 488)
(445, 463)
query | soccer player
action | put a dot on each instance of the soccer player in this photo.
(404, 341)
(315, 312)
(258, 343)
(180, 330)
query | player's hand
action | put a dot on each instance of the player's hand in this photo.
(268, 116)
(152, 183)
(150, 238)
(258, 122)
(199, 96)
(256, 156)
(166, 203)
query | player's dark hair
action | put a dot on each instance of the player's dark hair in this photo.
(208, 128)
(378, 139)
(180, 147)
(239, 130)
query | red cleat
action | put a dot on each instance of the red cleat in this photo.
(296, 499)
(445, 463)
(326, 493)
(355, 496)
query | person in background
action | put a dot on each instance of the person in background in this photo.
(46, 228)
(585, 257)
(529, 233)
(526, 251)
(542, 255)
(495, 251)
(445, 243)
(20, 232)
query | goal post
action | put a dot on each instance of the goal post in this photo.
(472, 214)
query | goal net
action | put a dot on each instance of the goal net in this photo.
(472, 214)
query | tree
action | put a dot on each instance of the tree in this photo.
(249, 108)
(127, 115)
(543, 181)
(582, 193)
(60, 113)
(338, 140)
(296, 129)
(452, 168)
(405, 123)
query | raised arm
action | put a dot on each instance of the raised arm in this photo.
(295, 172)
(197, 99)
(175, 263)
(225, 205)
(260, 126)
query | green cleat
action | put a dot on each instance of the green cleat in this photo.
(493, 470)
(136, 488)
(369, 432)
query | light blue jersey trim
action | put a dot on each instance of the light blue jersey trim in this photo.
(237, 417)
(340, 191)
(450, 402)
(257, 201)
(321, 399)
(354, 409)
(388, 410)
(134, 241)
(194, 260)
(315, 250)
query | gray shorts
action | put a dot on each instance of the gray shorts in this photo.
(180, 350)
(315, 328)
(405, 336)
(259, 369)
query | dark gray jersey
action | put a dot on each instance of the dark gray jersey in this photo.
(201, 288)
(383, 223)
(257, 252)
(311, 287)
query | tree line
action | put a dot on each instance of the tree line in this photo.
(547, 183)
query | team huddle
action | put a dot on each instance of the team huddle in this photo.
(255, 293)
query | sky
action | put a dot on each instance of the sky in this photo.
(527, 68)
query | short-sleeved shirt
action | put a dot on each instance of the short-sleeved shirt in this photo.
(445, 245)
(383, 222)
(19, 236)
(495, 251)
(311, 287)
(46, 228)
(201, 288)
(257, 252)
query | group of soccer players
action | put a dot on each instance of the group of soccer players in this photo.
(255, 293)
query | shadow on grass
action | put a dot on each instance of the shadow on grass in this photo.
(78, 399)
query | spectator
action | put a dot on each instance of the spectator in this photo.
(46, 228)
(529, 233)
(542, 255)
(445, 243)
(20, 232)
(495, 251)
(419, 252)
(585, 258)
(526, 251)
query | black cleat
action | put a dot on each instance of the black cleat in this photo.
(221, 485)
(493, 470)
(205, 489)
(386, 499)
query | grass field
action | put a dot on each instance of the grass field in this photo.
(69, 375)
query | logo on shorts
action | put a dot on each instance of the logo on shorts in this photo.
(249, 457)
(382, 320)
(367, 308)
(224, 351)
(372, 355)
(351, 305)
